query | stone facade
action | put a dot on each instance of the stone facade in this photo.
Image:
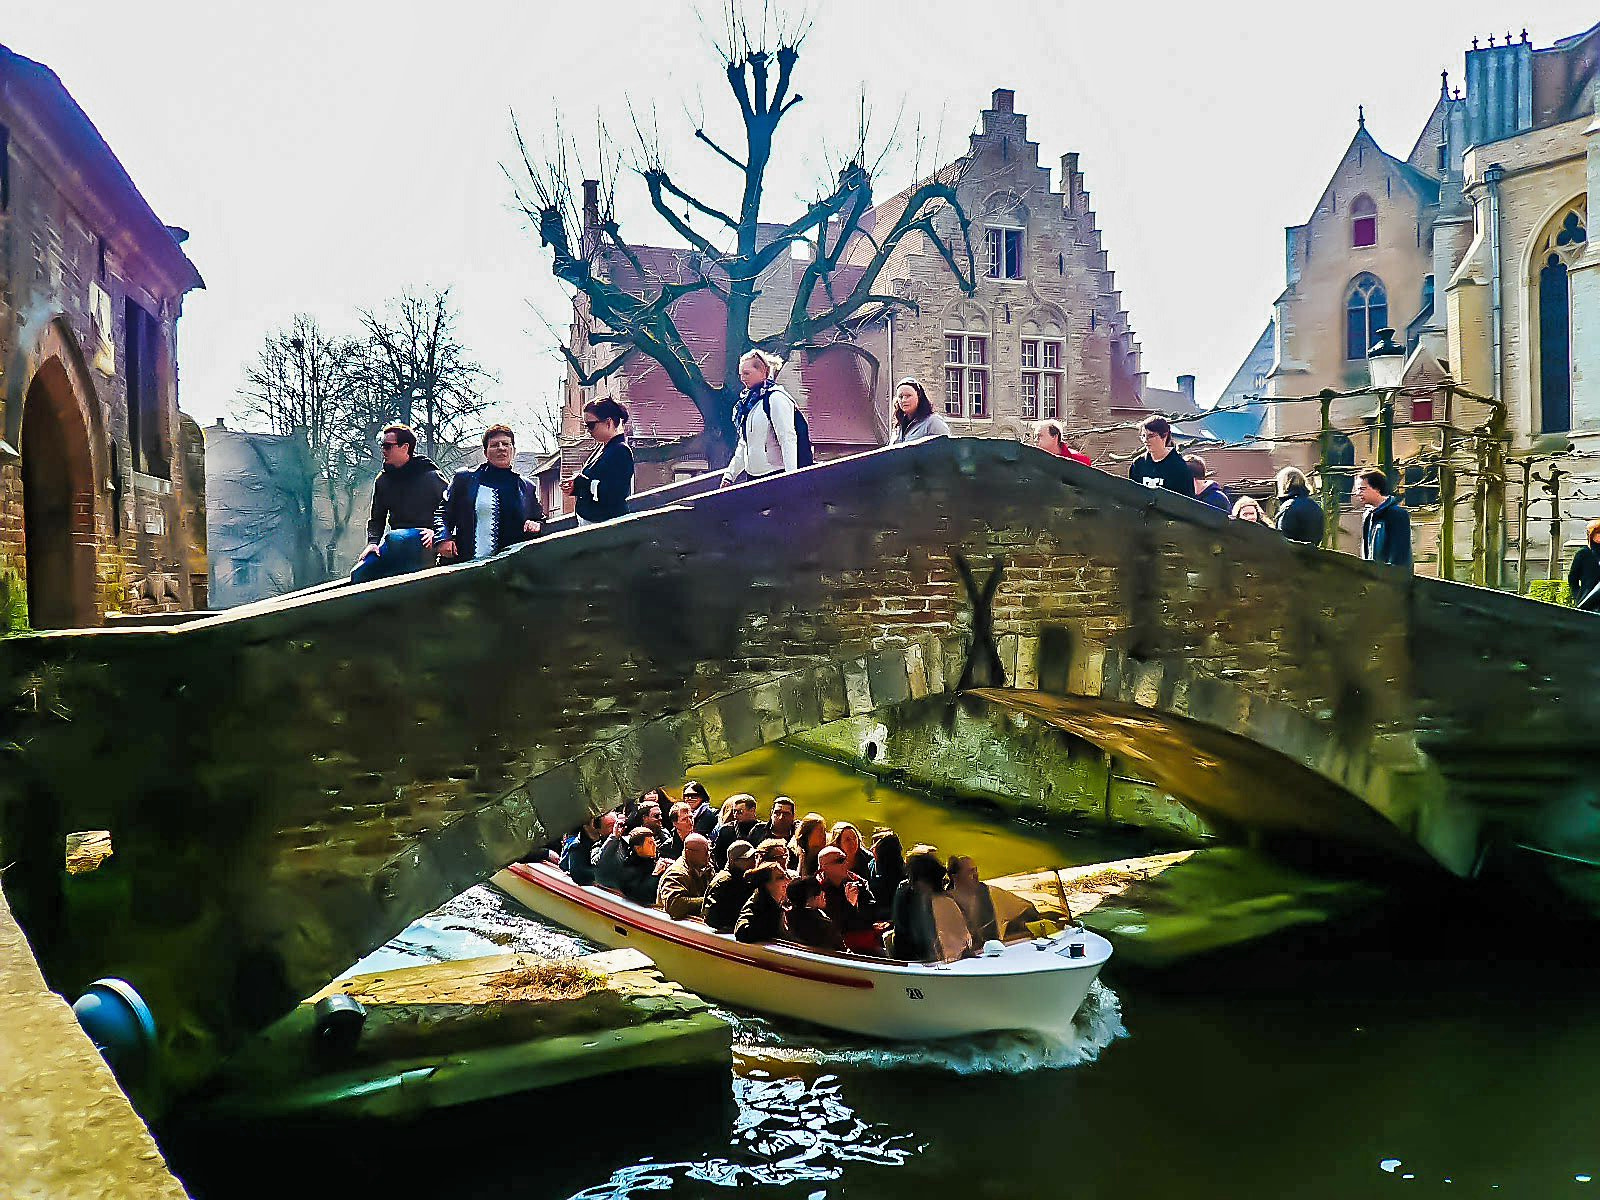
(96, 471)
(1455, 250)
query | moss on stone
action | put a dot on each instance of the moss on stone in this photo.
(1551, 591)
(13, 602)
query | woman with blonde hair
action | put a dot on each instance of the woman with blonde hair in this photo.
(1248, 510)
(766, 419)
(1299, 516)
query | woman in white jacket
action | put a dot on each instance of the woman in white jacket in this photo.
(764, 417)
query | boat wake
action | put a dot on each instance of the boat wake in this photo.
(758, 1041)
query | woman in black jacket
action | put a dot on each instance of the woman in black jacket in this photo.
(1583, 580)
(1299, 516)
(762, 919)
(809, 922)
(729, 889)
(602, 488)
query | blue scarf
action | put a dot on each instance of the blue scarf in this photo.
(748, 399)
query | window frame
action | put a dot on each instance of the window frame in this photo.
(1363, 217)
(1040, 376)
(997, 244)
(1371, 326)
(967, 376)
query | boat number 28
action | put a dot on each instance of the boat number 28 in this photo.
(913, 993)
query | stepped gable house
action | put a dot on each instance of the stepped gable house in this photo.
(100, 477)
(1045, 335)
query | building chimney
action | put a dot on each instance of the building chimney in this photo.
(1004, 100)
(1186, 388)
(591, 204)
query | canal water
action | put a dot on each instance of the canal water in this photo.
(1435, 1050)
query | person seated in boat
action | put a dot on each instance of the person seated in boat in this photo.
(650, 818)
(972, 895)
(746, 826)
(762, 918)
(699, 802)
(680, 824)
(849, 902)
(683, 884)
(810, 836)
(928, 925)
(636, 873)
(848, 838)
(577, 856)
(887, 871)
(771, 850)
(809, 922)
(729, 889)
(780, 824)
(631, 809)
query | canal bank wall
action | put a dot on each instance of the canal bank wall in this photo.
(969, 751)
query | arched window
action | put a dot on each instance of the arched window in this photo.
(1366, 311)
(1363, 221)
(1563, 240)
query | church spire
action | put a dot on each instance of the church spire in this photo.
(1361, 116)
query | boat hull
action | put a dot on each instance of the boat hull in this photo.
(1034, 986)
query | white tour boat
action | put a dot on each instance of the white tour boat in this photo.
(1033, 985)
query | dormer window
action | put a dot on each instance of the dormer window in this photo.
(1363, 221)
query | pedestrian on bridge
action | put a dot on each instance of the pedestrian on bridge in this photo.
(914, 418)
(407, 497)
(1051, 437)
(489, 507)
(600, 491)
(1583, 580)
(1161, 466)
(1386, 525)
(1300, 517)
(1212, 493)
(768, 424)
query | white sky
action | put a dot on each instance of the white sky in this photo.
(326, 155)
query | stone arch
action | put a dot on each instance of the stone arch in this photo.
(967, 317)
(58, 501)
(1005, 206)
(1045, 320)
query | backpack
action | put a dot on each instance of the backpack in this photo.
(803, 454)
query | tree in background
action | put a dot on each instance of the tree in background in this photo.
(633, 319)
(416, 364)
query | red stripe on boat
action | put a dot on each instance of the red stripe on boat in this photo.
(577, 894)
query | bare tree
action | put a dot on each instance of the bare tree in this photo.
(309, 382)
(629, 304)
(418, 368)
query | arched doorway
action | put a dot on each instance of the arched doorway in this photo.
(57, 504)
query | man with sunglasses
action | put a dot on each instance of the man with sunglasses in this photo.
(408, 498)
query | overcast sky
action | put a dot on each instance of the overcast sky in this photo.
(326, 155)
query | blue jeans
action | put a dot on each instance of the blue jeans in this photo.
(400, 553)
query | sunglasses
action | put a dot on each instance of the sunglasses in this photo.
(389, 445)
(589, 425)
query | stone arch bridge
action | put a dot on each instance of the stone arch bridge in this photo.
(288, 785)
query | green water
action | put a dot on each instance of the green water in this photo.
(1433, 1050)
(1000, 846)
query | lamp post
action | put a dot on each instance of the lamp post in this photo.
(1386, 367)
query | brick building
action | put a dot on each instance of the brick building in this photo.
(1045, 334)
(99, 472)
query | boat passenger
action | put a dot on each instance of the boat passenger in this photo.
(684, 883)
(650, 818)
(631, 809)
(577, 856)
(809, 837)
(762, 917)
(809, 922)
(607, 858)
(771, 850)
(727, 892)
(848, 838)
(972, 894)
(916, 933)
(636, 873)
(745, 826)
(699, 802)
(849, 901)
(680, 824)
(888, 870)
(781, 822)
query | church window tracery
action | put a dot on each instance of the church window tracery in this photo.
(1560, 245)
(1366, 311)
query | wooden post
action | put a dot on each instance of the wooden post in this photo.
(1447, 492)
(1330, 510)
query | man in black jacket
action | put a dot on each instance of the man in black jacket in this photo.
(1161, 466)
(407, 497)
(746, 826)
(490, 507)
(1386, 525)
